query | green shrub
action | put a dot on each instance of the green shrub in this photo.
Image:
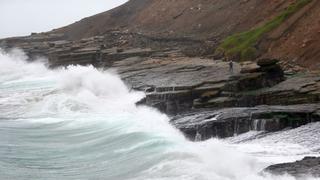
(244, 43)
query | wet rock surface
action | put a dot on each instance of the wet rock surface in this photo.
(307, 166)
(173, 84)
(229, 122)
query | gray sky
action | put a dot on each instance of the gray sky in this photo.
(21, 17)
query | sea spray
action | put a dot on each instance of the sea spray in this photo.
(82, 123)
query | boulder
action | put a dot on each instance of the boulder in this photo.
(249, 68)
(267, 62)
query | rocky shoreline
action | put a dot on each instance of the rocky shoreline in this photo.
(201, 95)
(308, 166)
(229, 122)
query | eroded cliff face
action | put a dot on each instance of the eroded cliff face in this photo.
(296, 42)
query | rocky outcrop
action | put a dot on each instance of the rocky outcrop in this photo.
(255, 87)
(266, 73)
(234, 121)
(295, 90)
(173, 82)
(212, 85)
(34, 45)
(309, 166)
(113, 46)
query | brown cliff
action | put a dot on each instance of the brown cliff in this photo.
(214, 20)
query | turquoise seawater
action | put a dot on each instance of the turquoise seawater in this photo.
(81, 123)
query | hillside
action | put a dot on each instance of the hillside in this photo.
(215, 20)
(196, 18)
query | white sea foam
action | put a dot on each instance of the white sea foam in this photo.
(82, 123)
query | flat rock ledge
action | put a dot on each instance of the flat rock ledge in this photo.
(309, 166)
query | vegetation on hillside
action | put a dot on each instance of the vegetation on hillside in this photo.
(243, 44)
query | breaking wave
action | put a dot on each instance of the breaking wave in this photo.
(82, 123)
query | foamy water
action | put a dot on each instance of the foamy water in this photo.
(82, 123)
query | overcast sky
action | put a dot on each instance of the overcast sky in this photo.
(21, 17)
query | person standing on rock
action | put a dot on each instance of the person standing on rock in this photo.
(231, 66)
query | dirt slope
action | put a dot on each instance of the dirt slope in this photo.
(210, 19)
(196, 18)
(301, 43)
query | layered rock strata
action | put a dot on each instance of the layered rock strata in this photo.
(229, 122)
